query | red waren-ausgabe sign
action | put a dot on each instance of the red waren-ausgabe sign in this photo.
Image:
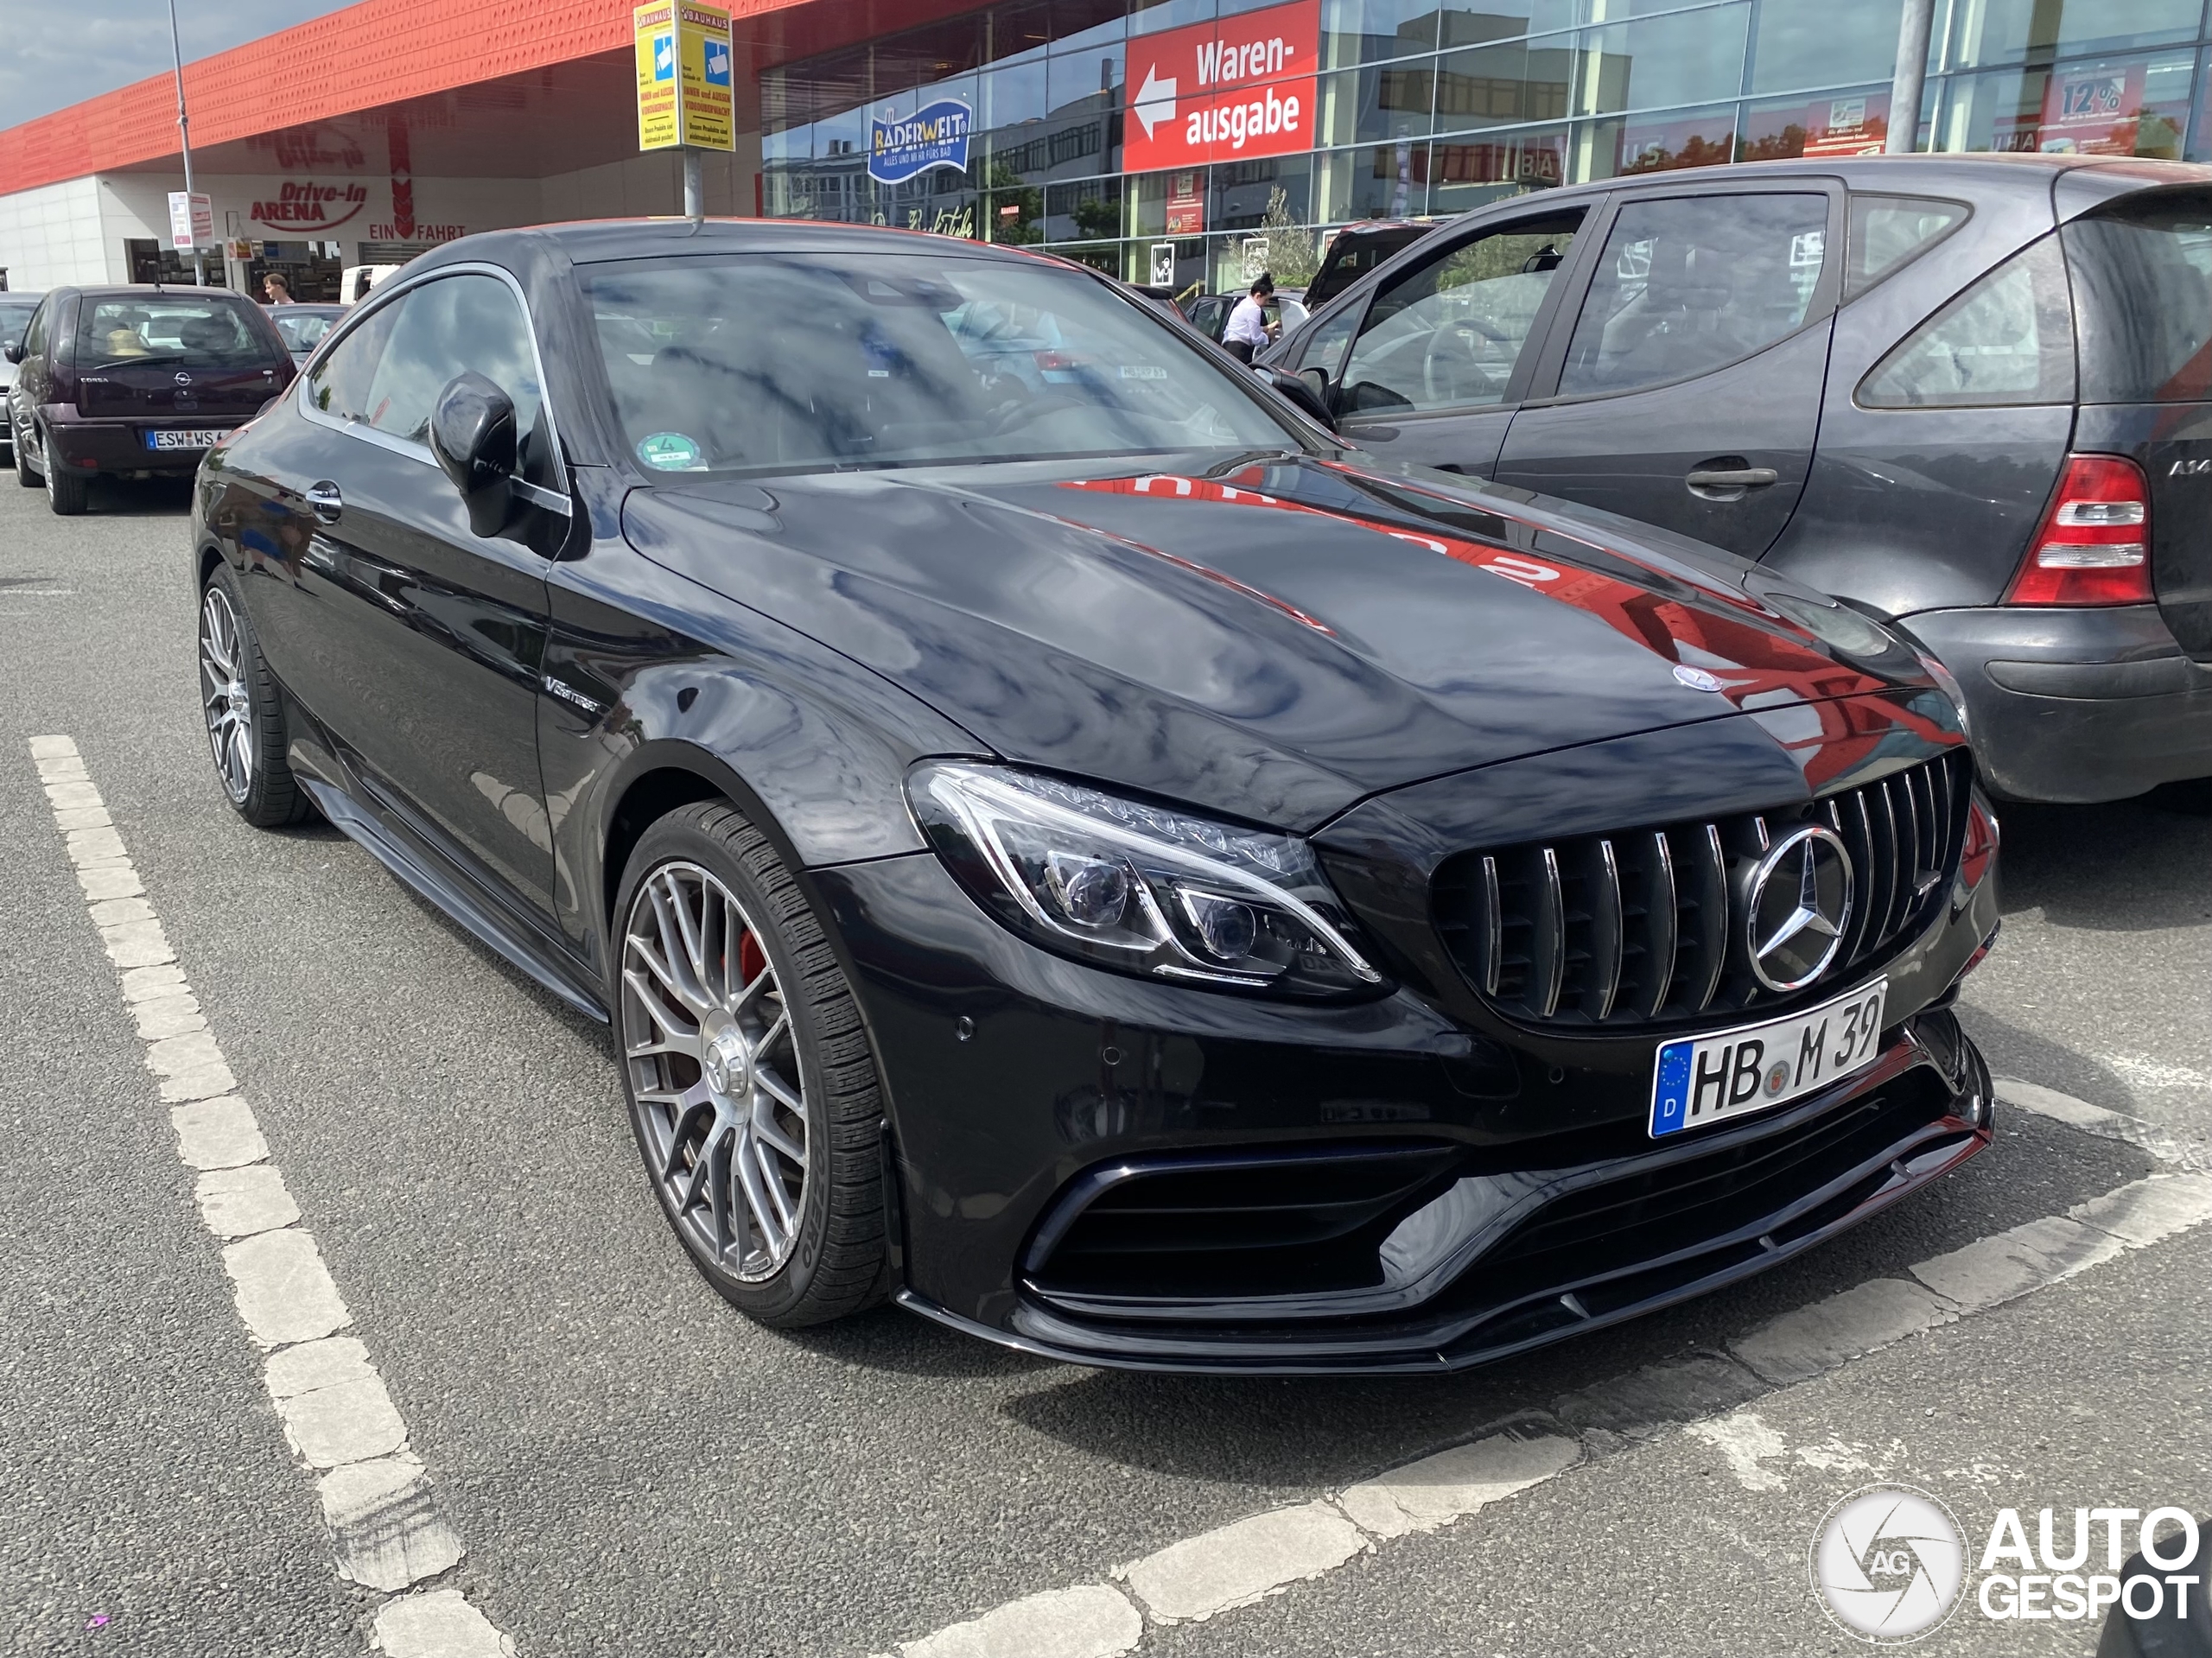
(1224, 91)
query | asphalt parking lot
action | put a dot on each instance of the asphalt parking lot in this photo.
(634, 1469)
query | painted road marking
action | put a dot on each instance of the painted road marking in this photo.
(1707, 1394)
(1242, 1562)
(386, 1531)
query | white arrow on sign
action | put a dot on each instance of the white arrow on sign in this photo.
(1155, 99)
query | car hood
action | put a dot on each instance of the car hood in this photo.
(1275, 637)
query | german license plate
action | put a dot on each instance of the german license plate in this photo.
(1706, 1079)
(184, 438)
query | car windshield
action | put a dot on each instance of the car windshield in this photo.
(14, 319)
(115, 332)
(767, 363)
(302, 330)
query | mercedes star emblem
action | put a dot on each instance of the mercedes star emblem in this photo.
(1800, 904)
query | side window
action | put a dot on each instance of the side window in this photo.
(1888, 230)
(2007, 339)
(445, 327)
(1690, 284)
(1325, 347)
(1447, 333)
(339, 384)
(35, 336)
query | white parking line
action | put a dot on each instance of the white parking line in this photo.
(386, 1532)
(1249, 1560)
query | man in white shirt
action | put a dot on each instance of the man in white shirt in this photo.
(1248, 324)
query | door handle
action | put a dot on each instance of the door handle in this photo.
(1733, 478)
(325, 501)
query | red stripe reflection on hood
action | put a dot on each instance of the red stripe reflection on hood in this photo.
(1753, 660)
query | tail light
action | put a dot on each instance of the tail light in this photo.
(2093, 545)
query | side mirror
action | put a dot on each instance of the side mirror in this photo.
(1296, 389)
(13, 351)
(472, 436)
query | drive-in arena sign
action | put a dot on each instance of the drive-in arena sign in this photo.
(1224, 91)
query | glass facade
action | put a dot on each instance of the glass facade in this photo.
(1428, 110)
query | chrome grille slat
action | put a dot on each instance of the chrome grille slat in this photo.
(1883, 804)
(1622, 929)
(1713, 916)
(1660, 906)
(1548, 959)
(1493, 922)
(1607, 946)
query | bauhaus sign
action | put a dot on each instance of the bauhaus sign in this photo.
(684, 91)
(1223, 90)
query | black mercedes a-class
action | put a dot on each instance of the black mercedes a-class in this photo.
(1062, 840)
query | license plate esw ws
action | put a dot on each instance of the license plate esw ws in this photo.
(1706, 1079)
(176, 438)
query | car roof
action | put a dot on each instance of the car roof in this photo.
(1919, 173)
(593, 241)
(156, 290)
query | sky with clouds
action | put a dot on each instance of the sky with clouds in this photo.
(53, 54)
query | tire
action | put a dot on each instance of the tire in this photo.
(244, 714)
(66, 492)
(711, 1103)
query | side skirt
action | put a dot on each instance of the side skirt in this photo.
(449, 895)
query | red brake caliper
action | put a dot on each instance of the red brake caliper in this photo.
(752, 960)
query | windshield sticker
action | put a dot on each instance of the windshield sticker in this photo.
(670, 452)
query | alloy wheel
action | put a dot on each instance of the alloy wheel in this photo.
(715, 1072)
(223, 694)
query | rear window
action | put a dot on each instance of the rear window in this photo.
(150, 330)
(2006, 342)
(2142, 274)
(301, 331)
(15, 317)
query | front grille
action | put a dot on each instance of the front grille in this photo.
(1644, 928)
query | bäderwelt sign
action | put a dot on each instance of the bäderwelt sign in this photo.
(934, 136)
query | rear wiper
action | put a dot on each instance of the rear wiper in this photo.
(152, 360)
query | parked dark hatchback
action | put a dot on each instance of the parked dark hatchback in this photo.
(1067, 844)
(1969, 394)
(135, 382)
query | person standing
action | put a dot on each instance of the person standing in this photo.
(276, 289)
(1247, 329)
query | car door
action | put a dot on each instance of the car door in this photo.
(423, 649)
(1441, 356)
(1686, 393)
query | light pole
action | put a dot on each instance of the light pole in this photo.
(1913, 25)
(184, 140)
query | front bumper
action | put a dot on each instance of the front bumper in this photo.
(1431, 1196)
(2076, 704)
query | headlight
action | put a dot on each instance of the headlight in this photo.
(1949, 684)
(1836, 626)
(1137, 889)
